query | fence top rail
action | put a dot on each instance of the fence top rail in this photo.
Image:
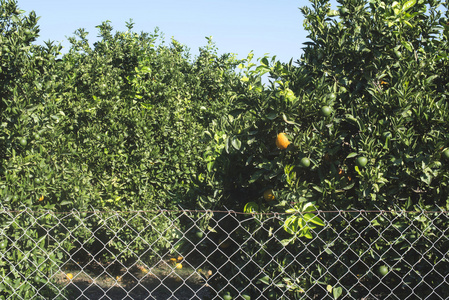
(2, 211)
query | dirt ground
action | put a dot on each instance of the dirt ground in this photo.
(162, 282)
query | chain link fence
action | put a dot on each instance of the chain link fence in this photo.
(223, 255)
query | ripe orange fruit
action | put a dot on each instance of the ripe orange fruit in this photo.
(282, 141)
(268, 195)
(69, 276)
(178, 266)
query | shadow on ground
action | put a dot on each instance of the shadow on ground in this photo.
(161, 283)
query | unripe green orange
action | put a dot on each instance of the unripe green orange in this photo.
(326, 111)
(305, 162)
(383, 270)
(361, 161)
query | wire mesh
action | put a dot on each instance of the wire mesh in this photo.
(222, 255)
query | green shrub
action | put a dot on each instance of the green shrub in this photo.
(26, 257)
(114, 126)
(132, 124)
(366, 105)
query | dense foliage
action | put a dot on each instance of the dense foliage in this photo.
(366, 111)
(131, 123)
(118, 125)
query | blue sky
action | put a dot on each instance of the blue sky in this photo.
(264, 26)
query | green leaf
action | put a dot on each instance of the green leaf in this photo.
(256, 175)
(287, 121)
(300, 221)
(145, 70)
(271, 115)
(236, 143)
(211, 229)
(265, 280)
(227, 145)
(210, 166)
(348, 187)
(426, 178)
(291, 224)
(314, 219)
(408, 23)
(431, 78)
(409, 4)
(352, 154)
(286, 242)
(407, 45)
(306, 232)
(375, 222)
(336, 292)
(261, 70)
(356, 168)
(317, 188)
(309, 206)
(251, 207)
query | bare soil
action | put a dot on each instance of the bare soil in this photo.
(161, 282)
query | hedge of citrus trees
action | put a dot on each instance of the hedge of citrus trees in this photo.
(117, 125)
(365, 112)
(360, 121)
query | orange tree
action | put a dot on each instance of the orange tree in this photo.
(117, 125)
(26, 258)
(365, 110)
(131, 124)
(132, 132)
